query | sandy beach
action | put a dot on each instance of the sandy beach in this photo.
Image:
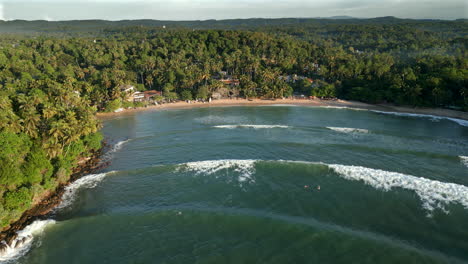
(298, 102)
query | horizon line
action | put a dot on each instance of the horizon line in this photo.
(339, 17)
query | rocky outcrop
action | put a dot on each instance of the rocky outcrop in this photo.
(9, 238)
(3, 249)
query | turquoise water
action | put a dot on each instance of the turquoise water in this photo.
(240, 185)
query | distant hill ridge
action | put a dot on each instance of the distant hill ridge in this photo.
(38, 26)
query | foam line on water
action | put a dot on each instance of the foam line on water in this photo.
(434, 117)
(119, 145)
(464, 160)
(88, 181)
(245, 168)
(287, 105)
(461, 122)
(251, 126)
(108, 155)
(349, 130)
(23, 241)
(336, 107)
(432, 193)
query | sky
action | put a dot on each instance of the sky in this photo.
(54, 10)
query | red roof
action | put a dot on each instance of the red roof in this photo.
(151, 93)
(236, 82)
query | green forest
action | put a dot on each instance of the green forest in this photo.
(54, 77)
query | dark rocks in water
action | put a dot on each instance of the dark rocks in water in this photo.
(17, 243)
(42, 209)
(27, 239)
(22, 241)
(11, 241)
(11, 238)
(3, 249)
(13, 244)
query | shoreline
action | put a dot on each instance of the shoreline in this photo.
(44, 208)
(294, 102)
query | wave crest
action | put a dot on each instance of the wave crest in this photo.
(343, 107)
(23, 241)
(432, 193)
(250, 126)
(119, 145)
(464, 160)
(88, 181)
(108, 155)
(349, 130)
(433, 117)
(245, 168)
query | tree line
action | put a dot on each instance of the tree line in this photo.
(51, 86)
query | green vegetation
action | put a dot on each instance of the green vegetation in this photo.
(45, 127)
(54, 76)
(405, 62)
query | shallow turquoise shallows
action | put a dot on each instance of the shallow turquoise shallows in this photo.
(268, 184)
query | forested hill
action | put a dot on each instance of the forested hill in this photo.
(54, 76)
(98, 26)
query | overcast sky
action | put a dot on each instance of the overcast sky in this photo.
(225, 9)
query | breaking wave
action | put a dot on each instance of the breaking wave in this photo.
(433, 117)
(432, 193)
(119, 145)
(288, 105)
(108, 155)
(23, 242)
(245, 168)
(348, 130)
(250, 126)
(89, 182)
(342, 107)
(464, 160)
(461, 122)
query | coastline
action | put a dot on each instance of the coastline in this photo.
(45, 206)
(297, 102)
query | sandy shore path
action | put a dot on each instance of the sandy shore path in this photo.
(298, 102)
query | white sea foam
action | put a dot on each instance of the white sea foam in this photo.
(251, 126)
(24, 239)
(464, 160)
(340, 107)
(287, 105)
(433, 194)
(461, 122)
(348, 130)
(245, 168)
(433, 117)
(88, 181)
(108, 155)
(119, 145)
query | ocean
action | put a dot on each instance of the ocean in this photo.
(267, 184)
